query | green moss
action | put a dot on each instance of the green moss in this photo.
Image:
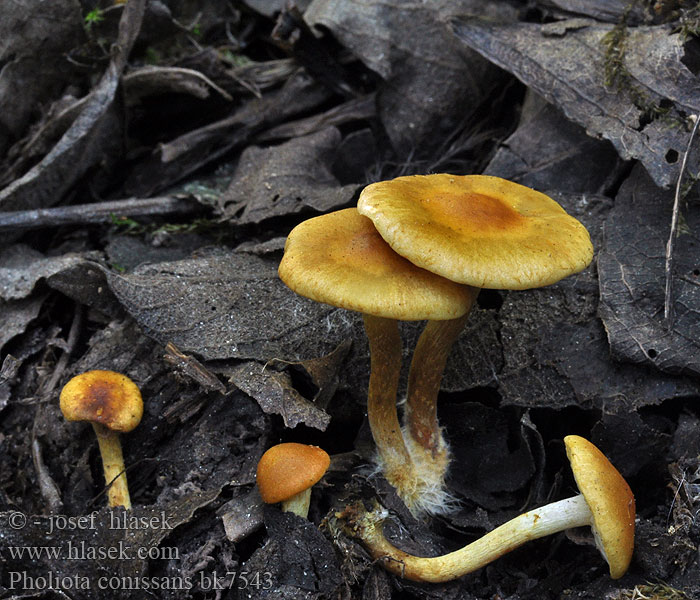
(649, 591)
(689, 22)
(615, 45)
(95, 16)
(616, 73)
(128, 226)
(617, 76)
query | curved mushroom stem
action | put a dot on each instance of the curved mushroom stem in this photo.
(424, 377)
(298, 504)
(113, 465)
(549, 519)
(424, 440)
(385, 360)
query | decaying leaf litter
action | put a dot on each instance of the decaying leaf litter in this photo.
(247, 118)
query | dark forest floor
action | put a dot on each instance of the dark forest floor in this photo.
(154, 156)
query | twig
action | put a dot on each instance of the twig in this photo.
(98, 212)
(47, 486)
(668, 301)
(194, 369)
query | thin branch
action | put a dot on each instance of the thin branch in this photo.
(98, 212)
(668, 301)
(47, 486)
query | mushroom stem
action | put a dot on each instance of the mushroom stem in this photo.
(549, 519)
(113, 465)
(424, 377)
(385, 360)
(298, 504)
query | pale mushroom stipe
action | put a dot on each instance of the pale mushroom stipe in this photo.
(113, 404)
(605, 504)
(480, 231)
(340, 259)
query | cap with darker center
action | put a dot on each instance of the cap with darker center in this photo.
(113, 405)
(105, 397)
(454, 210)
(483, 231)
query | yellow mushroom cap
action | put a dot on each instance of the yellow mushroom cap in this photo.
(610, 499)
(105, 397)
(340, 259)
(287, 469)
(479, 230)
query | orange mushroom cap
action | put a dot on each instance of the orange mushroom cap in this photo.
(610, 500)
(287, 469)
(105, 397)
(478, 230)
(340, 259)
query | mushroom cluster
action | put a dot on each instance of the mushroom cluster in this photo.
(341, 259)
(420, 248)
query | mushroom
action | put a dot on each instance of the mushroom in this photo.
(605, 504)
(287, 472)
(482, 231)
(113, 404)
(340, 259)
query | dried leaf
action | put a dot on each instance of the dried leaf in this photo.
(547, 151)
(270, 7)
(323, 371)
(35, 40)
(190, 367)
(630, 443)
(609, 11)
(285, 179)
(93, 138)
(125, 252)
(358, 109)
(275, 393)
(555, 349)
(15, 315)
(223, 304)
(631, 270)
(567, 65)
(21, 267)
(172, 161)
(430, 83)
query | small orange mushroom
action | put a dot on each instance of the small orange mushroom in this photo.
(287, 472)
(113, 404)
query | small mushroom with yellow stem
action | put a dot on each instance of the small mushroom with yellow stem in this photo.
(340, 259)
(477, 230)
(287, 472)
(605, 504)
(113, 404)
